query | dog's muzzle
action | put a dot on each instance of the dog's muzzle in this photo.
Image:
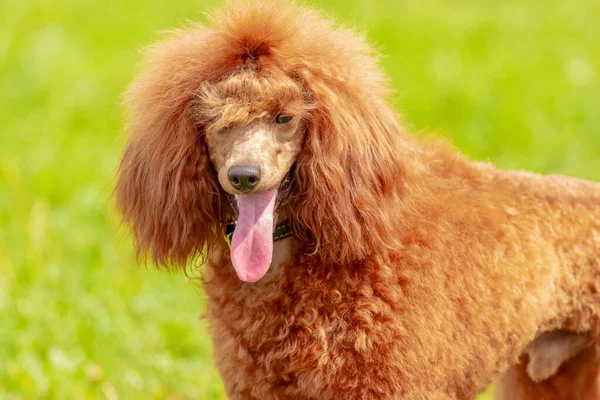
(282, 194)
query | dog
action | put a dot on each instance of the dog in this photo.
(341, 257)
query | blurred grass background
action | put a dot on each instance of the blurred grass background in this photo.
(514, 81)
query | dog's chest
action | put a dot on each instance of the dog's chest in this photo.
(301, 319)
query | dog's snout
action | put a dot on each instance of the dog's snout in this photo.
(244, 177)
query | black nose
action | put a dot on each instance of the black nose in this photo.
(244, 177)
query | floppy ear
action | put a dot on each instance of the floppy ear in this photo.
(351, 174)
(167, 188)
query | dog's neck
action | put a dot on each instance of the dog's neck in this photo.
(282, 231)
(282, 215)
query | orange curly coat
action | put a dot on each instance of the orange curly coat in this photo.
(414, 272)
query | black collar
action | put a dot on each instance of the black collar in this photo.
(283, 230)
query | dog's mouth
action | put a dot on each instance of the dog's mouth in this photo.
(282, 194)
(255, 215)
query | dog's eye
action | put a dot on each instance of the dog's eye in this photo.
(283, 119)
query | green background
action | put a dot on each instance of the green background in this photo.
(515, 82)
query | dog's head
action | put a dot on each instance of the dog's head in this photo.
(269, 103)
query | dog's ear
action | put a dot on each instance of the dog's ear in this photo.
(167, 189)
(352, 169)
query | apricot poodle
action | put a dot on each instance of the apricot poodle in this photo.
(341, 258)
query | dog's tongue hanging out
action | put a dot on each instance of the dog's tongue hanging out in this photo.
(252, 242)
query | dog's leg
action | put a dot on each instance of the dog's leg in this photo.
(577, 378)
(550, 350)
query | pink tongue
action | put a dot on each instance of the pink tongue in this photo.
(252, 242)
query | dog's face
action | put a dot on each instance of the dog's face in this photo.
(256, 157)
(254, 127)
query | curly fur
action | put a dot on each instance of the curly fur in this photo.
(414, 272)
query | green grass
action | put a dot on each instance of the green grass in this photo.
(516, 82)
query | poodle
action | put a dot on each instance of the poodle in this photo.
(341, 257)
